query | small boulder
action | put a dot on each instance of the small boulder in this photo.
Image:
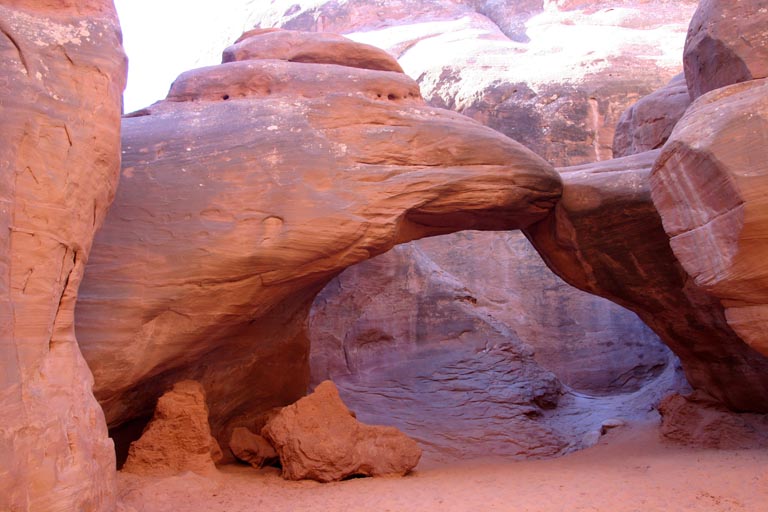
(318, 438)
(252, 448)
(178, 438)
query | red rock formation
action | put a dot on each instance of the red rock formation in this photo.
(606, 237)
(178, 438)
(318, 438)
(63, 72)
(727, 43)
(235, 211)
(295, 46)
(647, 124)
(709, 187)
(554, 76)
(697, 420)
(251, 448)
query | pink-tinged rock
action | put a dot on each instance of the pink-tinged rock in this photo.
(555, 78)
(697, 420)
(178, 438)
(318, 438)
(605, 236)
(233, 213)
(251, 448)
(63, 72)
(417, 350)
(647, 124)
(727, 43)
(709, 186)
(296, 46)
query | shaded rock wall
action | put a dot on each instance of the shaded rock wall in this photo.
(605, 236)
(63, 72)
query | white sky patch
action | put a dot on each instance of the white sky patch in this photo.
(164, 38)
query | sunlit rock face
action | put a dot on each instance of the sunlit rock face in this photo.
(554, 76)
(246, 191)
(62, 75)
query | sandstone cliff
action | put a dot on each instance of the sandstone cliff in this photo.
(63, 72)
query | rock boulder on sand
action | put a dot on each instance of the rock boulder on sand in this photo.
(318, 438)
(251, 448)
(178, 438)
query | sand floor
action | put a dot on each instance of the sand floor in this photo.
(629, 470)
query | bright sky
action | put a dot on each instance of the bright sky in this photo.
(163, 38)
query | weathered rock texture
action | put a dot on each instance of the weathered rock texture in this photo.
(727, 43)
(709, 186)
(647, 124)
(251, 448)
(606, 237)
(431, 292)
(240, 202)
(554, 76)
(296, 46)
(63, 72)
(178, 438)
(697, 420)
(318, 438)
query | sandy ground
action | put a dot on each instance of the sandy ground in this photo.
(629, 470)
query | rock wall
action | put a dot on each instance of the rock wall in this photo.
(246, 191)
(605, 236)
(63, 72)
(555, 76)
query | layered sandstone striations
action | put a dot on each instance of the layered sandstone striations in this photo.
(709, 187)
(727, 43)
(63, 72)
(554, 76)
(318, 438)
(605, 236)
(254, 184)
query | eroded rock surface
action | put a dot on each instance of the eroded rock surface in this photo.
(318, 438)
(727, 43)
(239, 203)
(606, 237)
(63, 72)
(647, 124)
(251, 448)
(709, 187)
(554, 76)
(697, 420)
(178, 438)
